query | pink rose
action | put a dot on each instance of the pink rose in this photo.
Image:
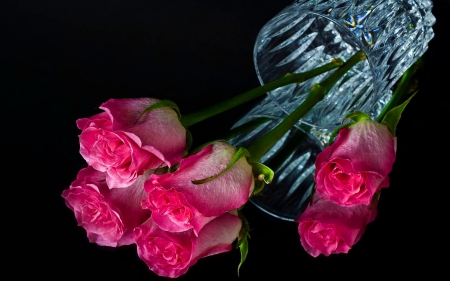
(356, 166)
(178, 205)
(328, 228)
(170, 254)
(114, 143)
(107, 215)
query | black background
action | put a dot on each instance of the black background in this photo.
(59, 60)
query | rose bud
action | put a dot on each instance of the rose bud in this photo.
(177, 204)
(123, 145)
(107, 215)
(170, 254)
(328, 228)
(356, 166)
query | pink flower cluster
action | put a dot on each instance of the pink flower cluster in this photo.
(349, 173)
(122, 198)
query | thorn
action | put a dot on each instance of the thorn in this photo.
(315, 86)
(337, 61)
(363, 56)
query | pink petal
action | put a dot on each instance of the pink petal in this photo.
(170, 209)
(159, 128)
(227, 192)
(322, 159)
(128, 201)
(331, 188)
(165, 253)
(351, 221)
(100, 121)
(101, 221)
(216, 237)
(368, 144)
(120, 208)
(90, 176)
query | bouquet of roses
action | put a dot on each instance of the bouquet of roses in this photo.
(145, 185)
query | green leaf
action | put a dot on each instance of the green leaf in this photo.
(262, 172)
(243, 247)
(242, 243)
(241, 152)
(405, 86)
(392, 118)
(161, 104)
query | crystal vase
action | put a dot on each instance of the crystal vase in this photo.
(309, 33)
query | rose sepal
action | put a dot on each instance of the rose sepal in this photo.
(242, 242)
(263, 175)
(174, 106)
(355, 116)
(406, 85)
(161, 104)
(241, 152)
(200, 147)
(392, 118)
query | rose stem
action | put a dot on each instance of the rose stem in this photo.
(318, 91)
(193, 118)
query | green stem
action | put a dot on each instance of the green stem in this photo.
(403, 87)
(259, 147)
(193, 118)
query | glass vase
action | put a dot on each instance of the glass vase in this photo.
(307, 34)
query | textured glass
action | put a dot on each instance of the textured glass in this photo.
(309, 33)
(292, 159)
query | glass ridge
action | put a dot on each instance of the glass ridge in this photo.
(307, 34)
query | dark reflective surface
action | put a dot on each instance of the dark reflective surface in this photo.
(59, 60)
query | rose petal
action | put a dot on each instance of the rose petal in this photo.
(128, 201)
(337, 181)
(368, 144)
(170, 209)
(99, 121)
(107, 215)
(227, 192)
(328, 228)
(170, 254)
(165, 253)
(216, 237)
(159, 128)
